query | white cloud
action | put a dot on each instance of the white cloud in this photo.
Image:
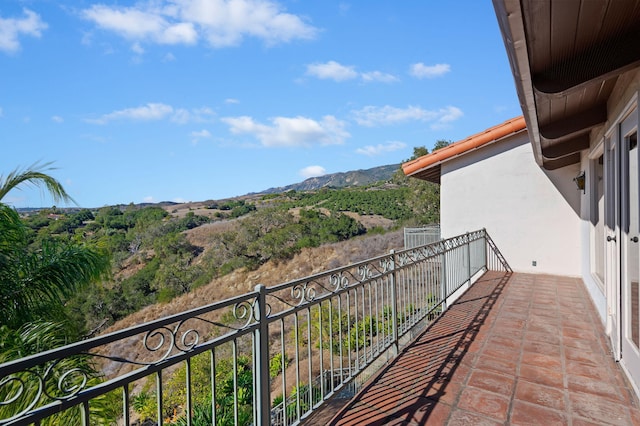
(333, 70)
(201, 134)
(312, 171)
(231, 101)
(421, 70)
(291, 131)
(1, 113)
(196, 115)
(148, 112)
(12, 28)
(378, 76)
(372, 116)
(180, 200)
(57, 119)
(372, 150)
(156, 111)
(148, 199)
(169, 57)
(136, 48)
(141, 24)
(450, 114)
(221, 23)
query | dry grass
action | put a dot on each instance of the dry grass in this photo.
(310, 261)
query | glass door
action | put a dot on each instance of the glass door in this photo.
(630, 252)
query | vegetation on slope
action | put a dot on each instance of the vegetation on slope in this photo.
(154, 258)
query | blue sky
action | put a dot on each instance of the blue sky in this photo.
(190, 100)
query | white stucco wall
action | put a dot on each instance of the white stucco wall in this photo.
(531, 214)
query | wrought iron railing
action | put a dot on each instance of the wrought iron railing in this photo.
(271, 356)
(416, 237)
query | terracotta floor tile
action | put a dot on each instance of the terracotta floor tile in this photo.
(493, 382)
(540, 395)
(635, 416)
(598, 410)
(542, 360)
(591, 371)
(465, 418)
(578, 333)
(535, 415)
(511, 333)
(525, 357)
(542, 376)
(418, 410)
(497, 351)
(583, 422)
(597, 388)
(535, 336)
(499, 365)
(436, 415)
(584, 357)
(587, 345)
(487, 403)
(542, 348)
(544, 327)
(503, 341)
(543, 311)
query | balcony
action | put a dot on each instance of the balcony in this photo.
(514, 349)
(443, 333)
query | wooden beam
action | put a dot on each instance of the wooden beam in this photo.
(603, 60)
(561, 162)
(573, 125)
(566, 147)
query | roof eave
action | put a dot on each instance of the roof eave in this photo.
(511, 22)
(427, 167)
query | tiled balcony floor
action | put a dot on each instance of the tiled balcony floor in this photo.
(515, 349)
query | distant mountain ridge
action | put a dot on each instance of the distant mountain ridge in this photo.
(340, 180)
(334, 180)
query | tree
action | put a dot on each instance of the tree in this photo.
(424, 197)
(441, 143)
(34, 175)
(34, 286)
(418, 152)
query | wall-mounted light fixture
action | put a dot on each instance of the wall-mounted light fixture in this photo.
(580, 181)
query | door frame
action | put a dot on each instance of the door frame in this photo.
(613, 203)
(612, 232)
(630, 352)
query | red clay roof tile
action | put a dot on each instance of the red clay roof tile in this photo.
(426, 162)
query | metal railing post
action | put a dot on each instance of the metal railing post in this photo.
(261, 359)
(468, 259)
(486, 251)
(443, 280)
(394, 302)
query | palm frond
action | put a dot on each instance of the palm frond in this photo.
(37, 284)
(35, 175)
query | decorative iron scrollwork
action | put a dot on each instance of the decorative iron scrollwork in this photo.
(304, 293)
(338, 281)
(14, 387)
(365, 272)
(155, 340)
(386, 264)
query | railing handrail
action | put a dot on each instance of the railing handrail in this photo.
(293, 298)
